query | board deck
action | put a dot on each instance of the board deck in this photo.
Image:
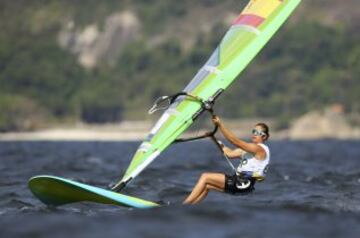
(57, 191)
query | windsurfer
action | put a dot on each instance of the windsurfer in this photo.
(254, 159)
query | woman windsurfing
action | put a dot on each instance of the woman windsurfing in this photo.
(254, 159)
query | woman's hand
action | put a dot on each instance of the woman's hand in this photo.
(216, 120)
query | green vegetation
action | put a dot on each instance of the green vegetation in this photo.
(308, 65)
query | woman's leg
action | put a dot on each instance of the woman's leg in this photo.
(206, 182)
(205, 193)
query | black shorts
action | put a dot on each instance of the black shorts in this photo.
(235, 184)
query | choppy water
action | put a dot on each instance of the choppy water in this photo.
(312, 189)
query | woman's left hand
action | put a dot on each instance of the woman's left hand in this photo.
(216, 120)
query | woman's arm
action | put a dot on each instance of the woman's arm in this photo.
(255, 149)
(233, 154)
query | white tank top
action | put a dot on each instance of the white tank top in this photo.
(249, 164)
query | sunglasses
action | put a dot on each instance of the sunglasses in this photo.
(258, 133)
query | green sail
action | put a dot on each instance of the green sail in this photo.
(248, 34)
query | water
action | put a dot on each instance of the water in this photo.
(312, 189)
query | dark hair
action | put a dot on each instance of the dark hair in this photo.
(265, 129)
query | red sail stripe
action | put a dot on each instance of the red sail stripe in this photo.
(249, 19)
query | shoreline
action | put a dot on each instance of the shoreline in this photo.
(138, 131)
(330, 123)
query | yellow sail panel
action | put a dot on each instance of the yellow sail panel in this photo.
(261, 8)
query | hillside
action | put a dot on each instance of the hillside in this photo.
(106, 61)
